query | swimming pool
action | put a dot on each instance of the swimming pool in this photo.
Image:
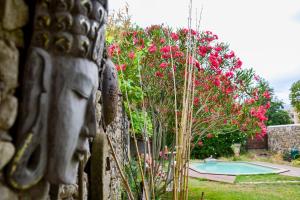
(233, 168)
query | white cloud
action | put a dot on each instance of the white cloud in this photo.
(265, 34)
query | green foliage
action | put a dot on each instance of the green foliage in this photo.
(218, 145)
(295, 96)
(140, 120)
(296, 162)
(265, 178)
(276, 115)
(133, 177)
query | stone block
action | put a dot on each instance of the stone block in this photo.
(282, 138)
(7, 151)
(15, 14)
(15, 36)
(4, 136)
(7, 194)
(9, 61)
(8, 112)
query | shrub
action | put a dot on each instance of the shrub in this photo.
(218, 145)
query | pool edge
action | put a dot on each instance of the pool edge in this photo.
(278, 170)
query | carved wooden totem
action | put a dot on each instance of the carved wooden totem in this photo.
(61, 76)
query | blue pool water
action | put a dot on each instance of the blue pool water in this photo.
(232, 168)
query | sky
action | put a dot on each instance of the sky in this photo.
(265, 34)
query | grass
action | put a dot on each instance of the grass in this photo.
(223, 191)
(265, 178)
(241, 190)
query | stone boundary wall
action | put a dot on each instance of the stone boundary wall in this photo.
(257, 143)
(13, 16)
(283, 137)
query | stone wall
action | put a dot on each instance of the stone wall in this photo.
(257, 143)
(283, 137)
(118, 132)
(13, 16)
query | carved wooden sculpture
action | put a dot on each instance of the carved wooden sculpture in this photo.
(57, 115)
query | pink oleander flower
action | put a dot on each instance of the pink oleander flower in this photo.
(131, 55)
(159, 74)
(121, 67)
(174, 36)
(152, 48)
(163, 65)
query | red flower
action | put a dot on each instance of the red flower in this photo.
(267, 95)
(200, 143)
(162, 40)
(163, 65)
(230, 55)
(131, 55)
(196, 101)
(121, 67)
(165, 49)
(112, 49)
(178, 54)
(217, 82)
(166, 55)
(229, 74)
(229, 90)
(152, 48)
(197, 64)
(197, 83)
(159, 74)
(193, 32)
(209, 135)
(214, 61)
(268, 105)
(174, 36)
(202, 50)
(218, 48)
(185, 31)
(238, 64)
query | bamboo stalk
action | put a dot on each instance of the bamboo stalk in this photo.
(127, 187)
(135, 141)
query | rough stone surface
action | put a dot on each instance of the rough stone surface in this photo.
(9, 60)
(118, 131)
(4, 136)
(15, 14)
(6, 193)
(257, 143)
(7, 150)
(8, 112)
(15, 36)
(70, 192)
(284, 137)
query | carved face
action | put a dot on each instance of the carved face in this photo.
(72, 116)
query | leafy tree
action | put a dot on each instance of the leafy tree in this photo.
(295, 96)
(276, 115)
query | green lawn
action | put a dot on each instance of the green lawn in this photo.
(265, 178)
(223, 191)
